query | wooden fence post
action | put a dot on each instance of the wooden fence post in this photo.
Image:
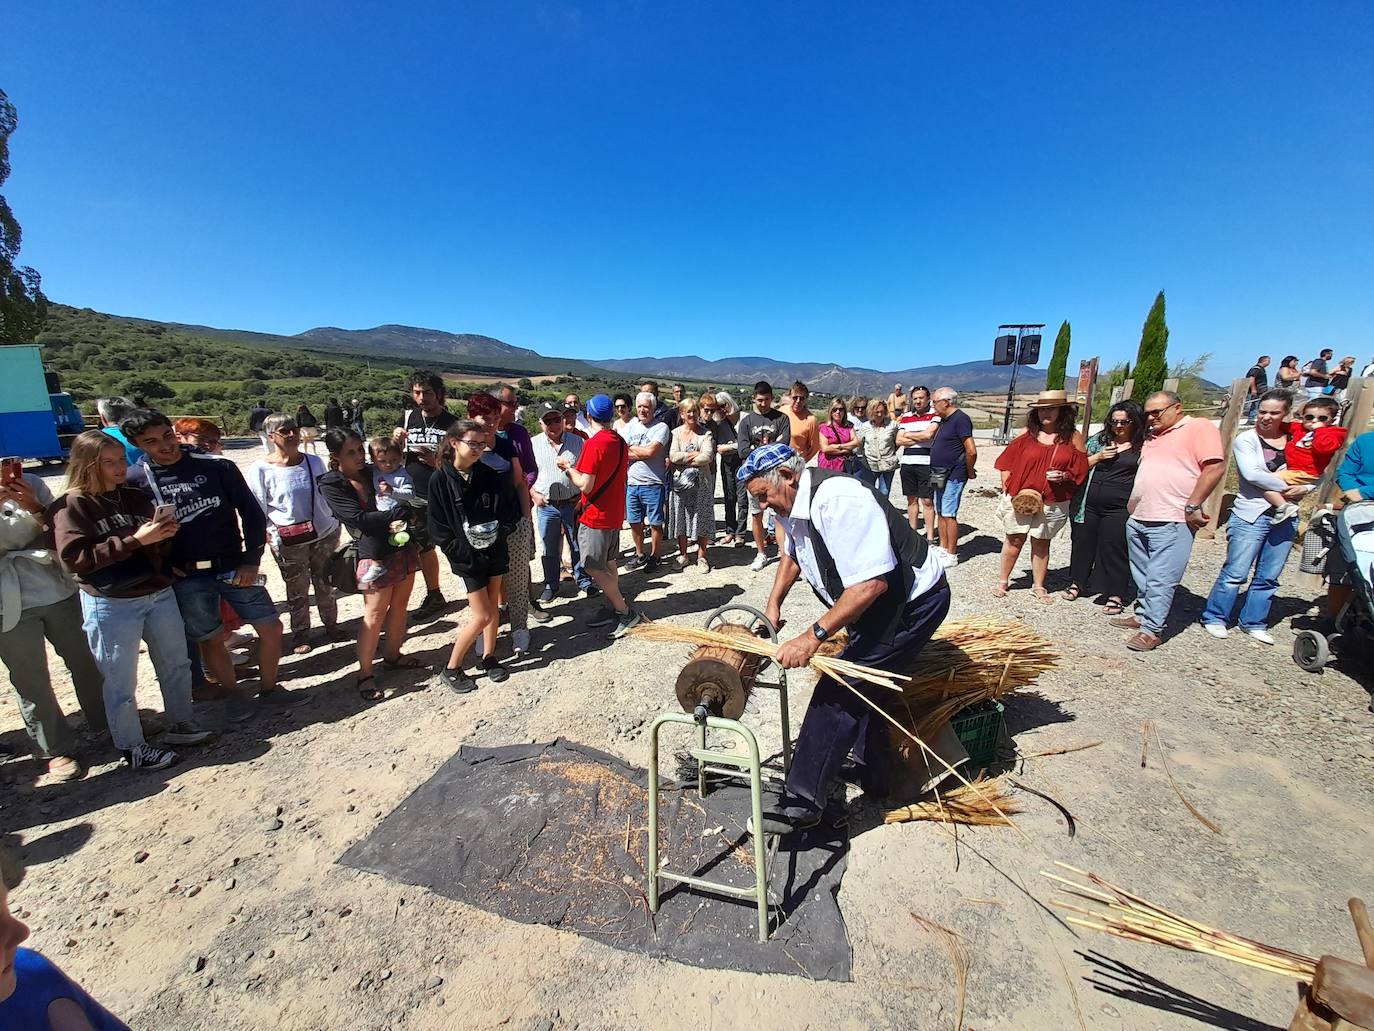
(1087, 383)
(1126, 389)
(1211, 506)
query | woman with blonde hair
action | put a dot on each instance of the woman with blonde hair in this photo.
(113, 540)
(878, 448)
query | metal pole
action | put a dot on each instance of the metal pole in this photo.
(1011, 389)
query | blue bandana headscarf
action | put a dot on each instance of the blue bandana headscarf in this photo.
(761, 459)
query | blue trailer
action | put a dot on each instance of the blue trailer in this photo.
(37, 419)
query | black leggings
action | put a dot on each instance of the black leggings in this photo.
(1098, 562)
(732, 493)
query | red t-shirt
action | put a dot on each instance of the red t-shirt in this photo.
(1312, 455)
(605, 457)
(1026, 460)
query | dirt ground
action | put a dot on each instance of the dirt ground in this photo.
(239, 917)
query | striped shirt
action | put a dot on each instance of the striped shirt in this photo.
(913, 422)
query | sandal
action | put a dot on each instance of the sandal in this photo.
(303, 648)
(1071, 594)
(1113, 607)
(1000, 591)
(403, 662)
(369, 694)
(63, 768)
(1043, 595)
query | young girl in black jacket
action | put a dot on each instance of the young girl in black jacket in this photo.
(386, 571)
(472, 510)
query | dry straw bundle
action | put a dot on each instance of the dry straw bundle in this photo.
(980, 805)
(1117, 912)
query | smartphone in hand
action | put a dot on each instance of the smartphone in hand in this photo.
(163, 513)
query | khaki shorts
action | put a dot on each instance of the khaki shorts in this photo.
(1042, 527)
(599, 548)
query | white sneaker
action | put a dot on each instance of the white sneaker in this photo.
(1282, 515)
(1217, 630)
(1262, 636)
(938, 552)
(947, 560)
(760, 560)
(520, 641)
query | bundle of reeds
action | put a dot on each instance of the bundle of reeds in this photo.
(1118, 912)
(984, 804)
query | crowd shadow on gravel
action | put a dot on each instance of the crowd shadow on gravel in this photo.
(978, 544)
(47, 847)
(1030, 710)
(1125, 982)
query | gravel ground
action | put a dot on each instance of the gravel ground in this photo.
(208, 896)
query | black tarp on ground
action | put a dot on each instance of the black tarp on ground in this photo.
(538, 832)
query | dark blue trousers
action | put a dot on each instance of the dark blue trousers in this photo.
(838, 723)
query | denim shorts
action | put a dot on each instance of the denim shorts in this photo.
(644, 503)
(198, 598)
(947, 499)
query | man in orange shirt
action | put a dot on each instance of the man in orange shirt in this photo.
(806, 432)
(1181, 463)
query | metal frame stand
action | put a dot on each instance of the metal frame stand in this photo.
(756, 619)
(741, 764)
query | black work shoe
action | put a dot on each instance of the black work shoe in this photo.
(537, 614)
(495, 670)
(430, 609)
(457, 681)
(785, 819)
(550, 593)
(651, 564)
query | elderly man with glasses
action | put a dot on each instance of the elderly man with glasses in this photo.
(1181, 463)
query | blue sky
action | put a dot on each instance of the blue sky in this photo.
(877, 184)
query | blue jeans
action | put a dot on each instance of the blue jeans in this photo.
(1259, 545)
(1159, 554)
(947, 499)
(114, 626)
(881, 481)
(557, 522)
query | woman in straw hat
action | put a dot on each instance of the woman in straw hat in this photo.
(1040, 470)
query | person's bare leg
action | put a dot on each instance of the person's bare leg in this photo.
(932, 521)
(481, 617)
(218, 663)
(656, 535)
(702, 544)
(608, 579)
(374, 616)
(949, 534)
(269, 653)
(1040, 565)
(637, 535)
(1011, 551)
(913, 511)
(397, 618)
(756, 525)
(429, 567)
(682, 548)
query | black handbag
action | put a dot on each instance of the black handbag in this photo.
(343, 569)
(939, 476)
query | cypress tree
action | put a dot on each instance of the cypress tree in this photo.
(1151, 366)
(1054, 378)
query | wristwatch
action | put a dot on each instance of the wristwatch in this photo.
(819, 632)
(1191, 509)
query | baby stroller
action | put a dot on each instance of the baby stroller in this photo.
(1355, 622)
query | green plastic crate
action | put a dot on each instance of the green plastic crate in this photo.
(979, 729)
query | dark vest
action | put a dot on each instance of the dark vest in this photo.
(879, 621)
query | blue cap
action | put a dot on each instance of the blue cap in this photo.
(600, 408)
(761, 459)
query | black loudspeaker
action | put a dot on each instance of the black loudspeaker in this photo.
(1030, 349)
(1004, 350)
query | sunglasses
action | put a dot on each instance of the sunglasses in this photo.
(1121, 422)
(1153, 413)
(621, 404)
(1316, 418)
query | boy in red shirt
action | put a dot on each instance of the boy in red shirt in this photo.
(1312, 443)
(600, 475)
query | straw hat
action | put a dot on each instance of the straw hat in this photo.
(1052, 399)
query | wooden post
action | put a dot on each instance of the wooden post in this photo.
(1171, 385)
(1126, 389)
(1087, 383)
(1211, 507)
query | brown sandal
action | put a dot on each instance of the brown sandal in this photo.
(1113, 607)
(1071, 594)
(369, 694)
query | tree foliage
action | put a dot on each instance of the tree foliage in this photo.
(1059, 361)
(1151, 361)
(22, 304)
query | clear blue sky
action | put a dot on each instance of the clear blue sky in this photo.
(877, 184)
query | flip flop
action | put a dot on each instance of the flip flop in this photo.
(1113, 607)
(1000, 591)
(369, 694)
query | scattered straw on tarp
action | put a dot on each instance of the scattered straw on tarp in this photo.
(980, 805)
(1117, 912)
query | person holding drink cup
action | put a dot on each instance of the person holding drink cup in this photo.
(1099, 563)
(1040, 470)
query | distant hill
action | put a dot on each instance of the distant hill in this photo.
(829, 378)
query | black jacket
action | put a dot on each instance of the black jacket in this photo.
(369, 527)
(485, 496)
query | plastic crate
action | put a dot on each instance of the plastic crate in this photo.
(979, 730)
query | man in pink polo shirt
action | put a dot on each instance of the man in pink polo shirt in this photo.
(1181, 463)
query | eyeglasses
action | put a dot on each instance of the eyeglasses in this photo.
(1154, 413)
(476, 445)
(706, 411)
(286, 431)
(1121, 422)
(1313, 417)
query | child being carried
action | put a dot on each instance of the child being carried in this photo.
(1312, 443)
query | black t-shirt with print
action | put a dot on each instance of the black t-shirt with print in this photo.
(423, 431)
